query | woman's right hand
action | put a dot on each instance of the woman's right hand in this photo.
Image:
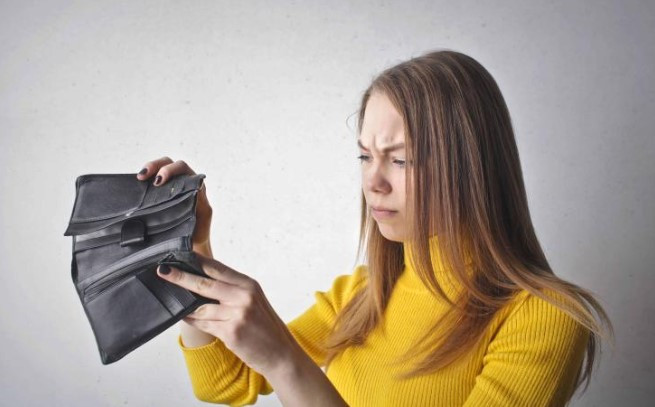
(166, 169)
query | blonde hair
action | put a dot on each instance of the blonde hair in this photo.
(468, 187)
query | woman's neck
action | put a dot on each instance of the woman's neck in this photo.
(410, 280)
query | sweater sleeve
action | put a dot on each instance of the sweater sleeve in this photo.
(533, 360)
(219, 376)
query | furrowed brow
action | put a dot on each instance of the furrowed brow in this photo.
(384, 149)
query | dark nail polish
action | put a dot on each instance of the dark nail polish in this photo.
(158, 180)
(164, 269)
(143, 171)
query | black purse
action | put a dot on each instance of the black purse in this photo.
(122, 229)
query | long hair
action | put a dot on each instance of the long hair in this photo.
(468, 187)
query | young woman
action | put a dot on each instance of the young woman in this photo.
(456, 304)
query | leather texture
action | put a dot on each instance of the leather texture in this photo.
(122, 229)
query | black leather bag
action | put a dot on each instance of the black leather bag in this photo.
(122, 229)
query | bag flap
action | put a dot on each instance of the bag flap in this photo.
(104, 199)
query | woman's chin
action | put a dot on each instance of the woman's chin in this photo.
(390, 233)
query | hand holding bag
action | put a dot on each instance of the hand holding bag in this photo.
(122, 229)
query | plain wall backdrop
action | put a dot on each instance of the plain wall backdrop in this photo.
(260, 97)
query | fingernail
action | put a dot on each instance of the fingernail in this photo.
(158, 180)
(143, 171)
(164, 269)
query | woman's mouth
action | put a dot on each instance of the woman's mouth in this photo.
(382, 214)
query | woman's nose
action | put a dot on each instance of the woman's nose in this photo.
(376, 181)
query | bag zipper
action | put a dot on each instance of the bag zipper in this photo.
(127, 264)
(103, 284)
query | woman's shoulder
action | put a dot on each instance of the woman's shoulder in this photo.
(360, 274)
(344, 287)
(348, 284)
(540, 315)
(545, 297)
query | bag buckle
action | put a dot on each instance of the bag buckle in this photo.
(133, 231)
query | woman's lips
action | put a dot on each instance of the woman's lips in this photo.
(382, 214)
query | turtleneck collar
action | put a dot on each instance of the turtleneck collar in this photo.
(410, 280)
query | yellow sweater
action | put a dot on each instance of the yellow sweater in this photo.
(529, 355)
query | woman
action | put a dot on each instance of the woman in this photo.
(457, 304)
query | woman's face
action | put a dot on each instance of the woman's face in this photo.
(382, 149)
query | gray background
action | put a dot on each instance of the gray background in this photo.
(257, 96)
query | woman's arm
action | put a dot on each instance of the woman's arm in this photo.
(218, 376)
(533, 360)
(247, 331)
(298, 381)
(194, 337)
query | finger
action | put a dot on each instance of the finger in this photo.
(202, 196)
(168, 171)
(213, 312)
(152, 167)
(211, 327)
(206, 287)
(220, 272)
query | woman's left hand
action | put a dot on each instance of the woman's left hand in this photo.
(244, 320)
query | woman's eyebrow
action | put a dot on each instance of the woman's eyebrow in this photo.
(384, 149)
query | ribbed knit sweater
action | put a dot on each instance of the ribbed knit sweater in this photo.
(529, 356)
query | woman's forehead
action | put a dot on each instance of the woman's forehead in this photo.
(385, 147)
(381, 119)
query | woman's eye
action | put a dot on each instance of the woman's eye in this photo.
(400, 163)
